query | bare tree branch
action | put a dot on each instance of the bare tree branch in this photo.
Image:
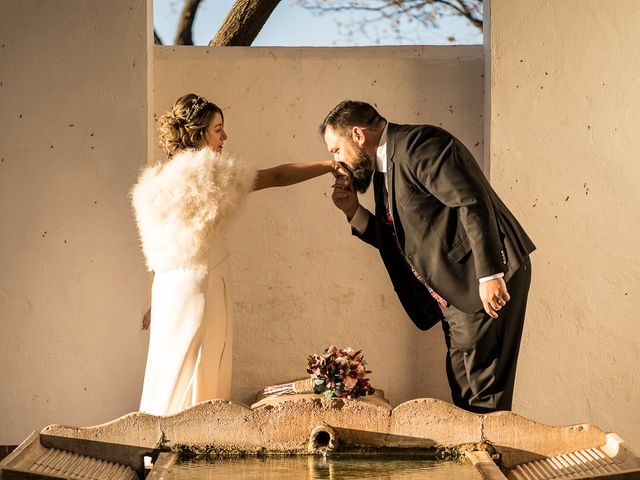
(156, 38)
(465, 9)
(247, 17)
(244, 22)
(185, 25)
(390, 12)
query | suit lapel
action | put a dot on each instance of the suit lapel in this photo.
(377, 191)
(391, 149)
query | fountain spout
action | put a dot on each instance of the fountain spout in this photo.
(322, 439)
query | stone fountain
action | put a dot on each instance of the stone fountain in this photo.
(501, 445)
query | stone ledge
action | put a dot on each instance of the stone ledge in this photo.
(283, 424)
(519, 439)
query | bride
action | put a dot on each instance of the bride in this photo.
(181, 206)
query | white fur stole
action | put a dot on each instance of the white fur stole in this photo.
(181, 204)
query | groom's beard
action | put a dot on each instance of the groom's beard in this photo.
(362, 172)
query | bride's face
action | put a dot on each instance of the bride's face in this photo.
(215, 134)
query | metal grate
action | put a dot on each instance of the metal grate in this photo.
(79, 467)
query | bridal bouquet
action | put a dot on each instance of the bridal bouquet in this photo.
(335, 373)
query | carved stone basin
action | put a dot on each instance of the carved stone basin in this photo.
(303, 424)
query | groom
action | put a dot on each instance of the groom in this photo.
(453, 250)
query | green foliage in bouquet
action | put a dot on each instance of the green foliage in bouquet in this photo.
(339, 373)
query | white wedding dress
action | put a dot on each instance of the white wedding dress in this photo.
(190, 344)
(181, 207)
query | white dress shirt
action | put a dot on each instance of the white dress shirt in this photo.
(360, 219)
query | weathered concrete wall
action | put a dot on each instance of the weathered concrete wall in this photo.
(301, 281)
(73, 97)
(564, 155)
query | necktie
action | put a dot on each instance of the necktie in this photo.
(389, 222)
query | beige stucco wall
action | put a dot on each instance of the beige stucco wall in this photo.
(73, 97)
(74, 134)
(301, 281)
(73, 137)
(564, 155)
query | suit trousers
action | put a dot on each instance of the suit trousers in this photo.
(482, 352)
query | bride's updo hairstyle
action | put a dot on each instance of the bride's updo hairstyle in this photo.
(184, 125)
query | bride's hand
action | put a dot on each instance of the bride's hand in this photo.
(146, 319)
(344, 194)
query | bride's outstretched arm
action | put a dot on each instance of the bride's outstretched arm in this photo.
(291, 173)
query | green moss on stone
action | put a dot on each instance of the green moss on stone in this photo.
(444, 453)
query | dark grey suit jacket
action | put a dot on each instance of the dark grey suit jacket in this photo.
(451, 225)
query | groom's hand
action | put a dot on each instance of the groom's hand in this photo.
(344, 194)
(494, 295)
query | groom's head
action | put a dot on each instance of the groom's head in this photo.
(352, 131)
